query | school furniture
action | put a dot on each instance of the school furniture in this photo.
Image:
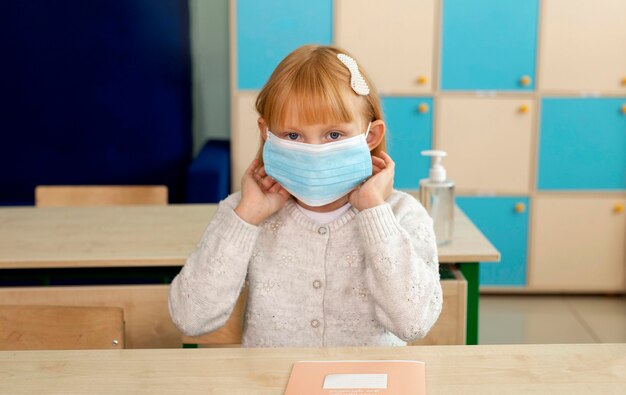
(126, 255)
(147, 323)
(31, 327)
(82, 195)
(511, 369)
(528, 98)
(99, 93)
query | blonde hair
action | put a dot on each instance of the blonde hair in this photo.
(317, 85)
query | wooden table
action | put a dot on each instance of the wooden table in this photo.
(79, 237)
(510, 369)
(149, 236)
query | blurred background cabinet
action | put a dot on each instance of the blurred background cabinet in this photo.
(400, 34)
(488, 141)
(578, 243)
(267, 31)
(245, 135)
(582, 47)
(409, 124)
(583, 144)
(488, 45)
(504, 221)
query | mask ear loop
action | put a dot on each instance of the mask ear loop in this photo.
(367, 132)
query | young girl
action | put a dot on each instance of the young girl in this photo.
(332, 254)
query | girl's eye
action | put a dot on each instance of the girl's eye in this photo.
(292, 136)
(334, 135)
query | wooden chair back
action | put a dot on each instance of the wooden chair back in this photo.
(61, 327)
(230, 334)
(85, 195)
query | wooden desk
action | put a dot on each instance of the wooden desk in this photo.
(79, 237)
(511, 369)
(140, 236)
(147, 236)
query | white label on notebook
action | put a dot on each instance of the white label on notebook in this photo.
(349, 381)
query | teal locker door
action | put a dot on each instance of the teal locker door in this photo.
(582, 144)
(488, 44)
(409, 132)
(507, 229)
(268, 30)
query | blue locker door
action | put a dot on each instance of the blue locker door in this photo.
(409, 132)
(582, 144)
(488, 44)
(507, 229)
(268, 30)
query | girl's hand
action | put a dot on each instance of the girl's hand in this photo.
(261, 195)
(378, 187)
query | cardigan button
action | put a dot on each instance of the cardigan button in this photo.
(315, 323)
(317, 284)
(322, 230)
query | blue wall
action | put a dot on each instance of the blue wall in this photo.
(94, 92)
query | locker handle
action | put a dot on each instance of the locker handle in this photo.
(618, 208)
(422, 79)
(623, 110)
(520, 207)
(525, 80)
(423, 108)
(524, 108)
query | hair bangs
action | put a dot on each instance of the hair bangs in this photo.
(311, 97)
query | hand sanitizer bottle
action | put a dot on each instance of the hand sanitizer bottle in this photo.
(437, 196)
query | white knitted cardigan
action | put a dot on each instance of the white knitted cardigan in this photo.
(369, 278)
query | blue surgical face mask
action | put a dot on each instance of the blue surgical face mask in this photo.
(318, 174)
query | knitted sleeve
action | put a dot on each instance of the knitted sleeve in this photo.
(204, 293)
(402, 268)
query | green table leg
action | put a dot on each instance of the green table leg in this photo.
(470, 271)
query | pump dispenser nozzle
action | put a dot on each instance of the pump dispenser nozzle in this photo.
(437, 172)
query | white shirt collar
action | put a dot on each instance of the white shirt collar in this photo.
(324, 218)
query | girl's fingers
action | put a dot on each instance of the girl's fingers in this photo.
(283, 192)
(267, 182)
(377, 158)
(376, 161)
(253, 165)
(250, 170)
(387, 159)
(263, 179)
(278, 189)
(275, 188)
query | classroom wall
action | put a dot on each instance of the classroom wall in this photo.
(94, 93)
(209, 25)
(82, 81)
(210, 70)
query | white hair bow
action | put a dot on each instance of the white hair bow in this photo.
(357, 82)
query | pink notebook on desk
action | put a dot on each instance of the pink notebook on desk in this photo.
(357, 378)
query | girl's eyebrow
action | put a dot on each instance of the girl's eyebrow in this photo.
(341, 126)
(325, 129)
